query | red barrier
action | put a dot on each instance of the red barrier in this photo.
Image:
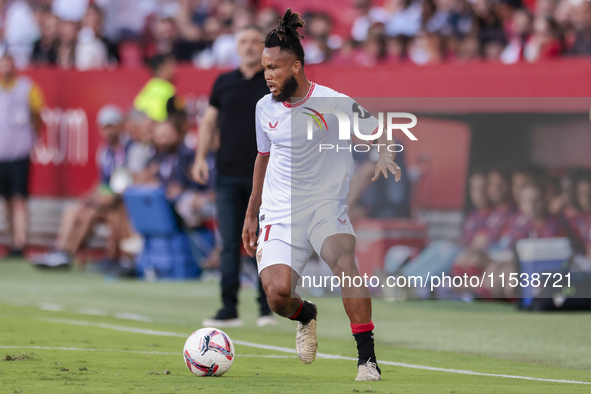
(65, 156)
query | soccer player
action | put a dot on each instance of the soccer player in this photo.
(289, 167)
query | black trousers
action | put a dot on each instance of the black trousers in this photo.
(233, 194)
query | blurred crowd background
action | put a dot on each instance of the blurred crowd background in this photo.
(92, 34)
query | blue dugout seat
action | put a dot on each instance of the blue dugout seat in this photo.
(169, 251)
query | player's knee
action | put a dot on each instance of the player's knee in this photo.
(279, 299)
(345, 264)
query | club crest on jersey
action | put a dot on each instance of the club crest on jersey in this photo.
(259, 256)
(318, 118)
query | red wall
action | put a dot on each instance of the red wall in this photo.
(65, 162)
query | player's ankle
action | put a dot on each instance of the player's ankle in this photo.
(364, 337)
(305, 313)
(372, 360)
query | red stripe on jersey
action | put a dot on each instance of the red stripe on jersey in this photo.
(264, 153)
(288, 105)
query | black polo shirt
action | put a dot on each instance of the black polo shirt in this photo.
(236, 98)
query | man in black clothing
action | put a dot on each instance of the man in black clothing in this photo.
(232, 110)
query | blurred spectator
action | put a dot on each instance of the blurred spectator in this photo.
(469, 49)
(139, 126)
(368, 15)
(66, 46)
(103, 205)
(545, 8)
(91, 51)
(580, 214)
(372, 52)
(490, 26)
(167, 40)
(395, 50)
(267, 18)
(219, 33)
(519, 178)
(544, 43)
(170, 168)
(224, 46)
(476, 222)
(346, 54)
(189, 18)
(20, 30)
(406, 18)
(45, 48)
(126, 19)
(521, 27)
(157, 99)
(534, 220)
(425, 48)
(461, 18)
(581, 20)
(492, 50)
(94, 19)
(69, 10)
(501, 219)
(316, 47)
(21, 101)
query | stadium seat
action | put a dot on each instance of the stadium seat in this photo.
(537, 256)
(168, 250)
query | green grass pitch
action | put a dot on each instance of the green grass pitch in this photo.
(66, 332)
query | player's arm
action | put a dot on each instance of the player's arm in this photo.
(200, 170)
(249, 232)
(386, 160)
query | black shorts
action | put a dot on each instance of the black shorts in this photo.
(14, 178)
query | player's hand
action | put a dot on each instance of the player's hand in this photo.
(200, 171)
(249, 235)
(385, 165)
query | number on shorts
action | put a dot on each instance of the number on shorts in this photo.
(266, 229)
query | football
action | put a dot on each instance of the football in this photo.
(209, 352)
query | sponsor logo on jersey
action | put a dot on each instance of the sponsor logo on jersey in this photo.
(273, 126)
(318, 118)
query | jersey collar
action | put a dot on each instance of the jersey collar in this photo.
(302, 101)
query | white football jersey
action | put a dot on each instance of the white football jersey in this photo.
(301, 177)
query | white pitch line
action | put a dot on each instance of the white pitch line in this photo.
(79, 349)
(321, 355)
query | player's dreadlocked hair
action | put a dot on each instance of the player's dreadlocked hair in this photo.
(286, 37)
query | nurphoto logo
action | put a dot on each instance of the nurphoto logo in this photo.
(317, 119)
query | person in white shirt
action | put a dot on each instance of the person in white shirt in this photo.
(299, 192)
